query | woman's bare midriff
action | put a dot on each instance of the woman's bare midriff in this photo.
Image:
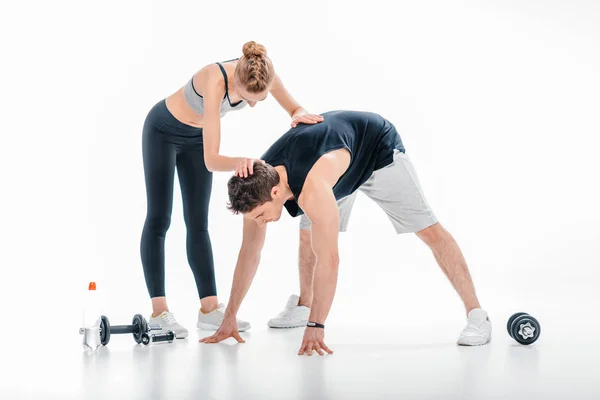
(177, 106)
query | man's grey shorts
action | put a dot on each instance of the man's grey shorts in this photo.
(396, 189)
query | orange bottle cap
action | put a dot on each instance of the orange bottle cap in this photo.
(92, 286)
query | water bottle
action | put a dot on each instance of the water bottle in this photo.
(91, 319)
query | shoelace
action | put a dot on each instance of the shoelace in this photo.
(286, 311)
(169, 318)
(475, 326)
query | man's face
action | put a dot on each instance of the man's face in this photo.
(268, 212)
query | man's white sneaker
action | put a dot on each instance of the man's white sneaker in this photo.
(212, 321)
(167, 322)
(292, 316)
(478, 330)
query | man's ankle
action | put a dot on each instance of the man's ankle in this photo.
(303, 302)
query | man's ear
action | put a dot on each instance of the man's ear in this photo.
(274, 192)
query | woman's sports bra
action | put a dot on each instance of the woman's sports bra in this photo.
(196, 102)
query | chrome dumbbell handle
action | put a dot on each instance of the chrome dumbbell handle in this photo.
(153, 327)
(158, 337)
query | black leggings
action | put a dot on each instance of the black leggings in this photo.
(166, 144)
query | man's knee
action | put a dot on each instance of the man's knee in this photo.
(304, 236)
(432, 234)
(306, 250)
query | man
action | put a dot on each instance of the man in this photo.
(308, 171)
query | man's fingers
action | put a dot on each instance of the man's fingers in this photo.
(327, 349)
(208, 339)
(237, 337)
(319, 350)
(302, 348)
(216, 338)
(320, 347)
(305, 349)
(309, 348)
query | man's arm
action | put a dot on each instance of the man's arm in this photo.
(319, 204)
(321, 208)
(245, 269)
(247, 264)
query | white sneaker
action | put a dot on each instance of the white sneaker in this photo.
(212, 321)
(292, 316)
(478, 330)
(167, 322)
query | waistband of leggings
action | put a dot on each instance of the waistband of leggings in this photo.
(161, 117)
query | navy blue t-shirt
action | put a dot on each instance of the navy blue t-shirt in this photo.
(369, 138)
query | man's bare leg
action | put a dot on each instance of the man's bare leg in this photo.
(307, 261)
(451, 261)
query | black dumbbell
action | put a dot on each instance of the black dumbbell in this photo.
(139, 327)
(523, 328)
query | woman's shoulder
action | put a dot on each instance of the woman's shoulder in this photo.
(209, 75)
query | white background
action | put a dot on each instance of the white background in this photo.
(496, 102)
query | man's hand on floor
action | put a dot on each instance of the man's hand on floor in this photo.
(314, 340)
(227, 329)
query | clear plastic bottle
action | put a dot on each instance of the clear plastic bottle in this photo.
(91, 319)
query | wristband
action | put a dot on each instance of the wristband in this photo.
(315, 325)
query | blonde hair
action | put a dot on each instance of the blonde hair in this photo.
(254, 70)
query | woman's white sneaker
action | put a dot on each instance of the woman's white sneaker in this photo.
(212, 321)
(167, 322)
(478, 330)
(292, 316)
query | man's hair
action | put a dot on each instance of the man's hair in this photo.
(245, 194)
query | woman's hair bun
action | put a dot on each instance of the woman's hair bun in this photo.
(253, 49)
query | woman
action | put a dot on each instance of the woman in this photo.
(184, 132)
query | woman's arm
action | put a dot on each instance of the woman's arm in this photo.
(289, 104)
(214, 91)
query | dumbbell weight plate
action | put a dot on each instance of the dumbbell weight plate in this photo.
(510, 321)
(525, 329)
(142, 328)
(104, 330)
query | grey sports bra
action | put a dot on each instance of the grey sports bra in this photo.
(196, 102)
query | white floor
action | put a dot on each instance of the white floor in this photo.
(378, 363)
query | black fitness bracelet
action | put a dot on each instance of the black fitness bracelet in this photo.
(315, 325)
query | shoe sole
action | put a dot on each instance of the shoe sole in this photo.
(473, 344)
(287, 326)
(210, 327)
